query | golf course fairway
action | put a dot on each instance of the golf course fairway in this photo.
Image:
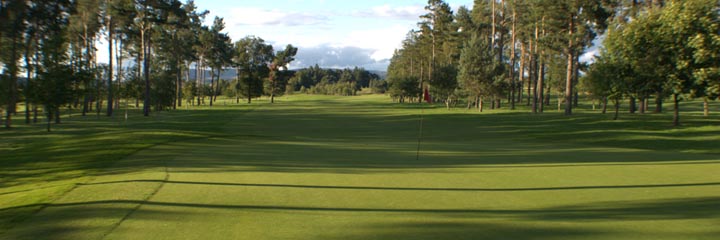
(346, 168)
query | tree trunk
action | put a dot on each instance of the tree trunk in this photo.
(27, 90)
(617, 109)
(633, 105)
(98, 100)
(676, 112)
(49, 117)
(119, 78)
(217, 85)
(35, 113)
(212, 85)
(541, 87)
(57, 115)
(512, 62)
(576, 98)
(570, 59)
(659, 102)
(178, 86)
(706, 107)
(548, 94)
(86, 103)
(604, 103)
(576, 80)
(146, 72)
(642, 105)
(480, 104)
(110, 69)
(199, 79)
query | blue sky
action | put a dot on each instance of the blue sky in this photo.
(331, 33)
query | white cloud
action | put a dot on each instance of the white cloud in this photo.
(330, 56)
(265, 17)
(383, 41)
(594, 50)
(387, 11)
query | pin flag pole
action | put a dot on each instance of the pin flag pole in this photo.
(428, 99)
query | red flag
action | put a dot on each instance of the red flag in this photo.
(427, 96)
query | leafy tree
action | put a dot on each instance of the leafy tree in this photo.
(444, 82)
(692, 32)
(189, 91)
(252, 57)
(608, 79)
(219, 55)
(402, 88)
(479, 70)
(277, 78)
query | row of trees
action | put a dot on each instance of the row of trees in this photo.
(497, 49)
(347, 82)
(506, 50)
(660, 49)
(54, 44)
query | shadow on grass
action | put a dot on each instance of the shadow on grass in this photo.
(338, 137)
(463, 230)
(573, 188)
(688, 208)
(455, 224)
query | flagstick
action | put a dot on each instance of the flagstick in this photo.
(420, 134)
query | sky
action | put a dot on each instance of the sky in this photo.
(330, 33)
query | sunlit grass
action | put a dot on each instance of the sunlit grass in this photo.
(328, 167)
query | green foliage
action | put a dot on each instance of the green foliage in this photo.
(378, 86)
(345, 82)
(279, 76)
(190, 91)
(479, 73)
(692, 29)
(252, 57)
(608, 78)
(404, 89)
(668, 50)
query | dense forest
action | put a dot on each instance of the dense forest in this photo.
(345, 82)
(524, 52)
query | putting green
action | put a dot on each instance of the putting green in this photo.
(346, 168)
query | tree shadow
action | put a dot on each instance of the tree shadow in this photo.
(569, 222)
(449, 189)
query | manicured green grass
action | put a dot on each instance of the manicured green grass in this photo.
(317, 167)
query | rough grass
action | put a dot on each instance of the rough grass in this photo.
(316, 167)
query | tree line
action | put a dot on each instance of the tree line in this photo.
(54, 44)
(344, 82)
(661, 50)
(525, 51)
